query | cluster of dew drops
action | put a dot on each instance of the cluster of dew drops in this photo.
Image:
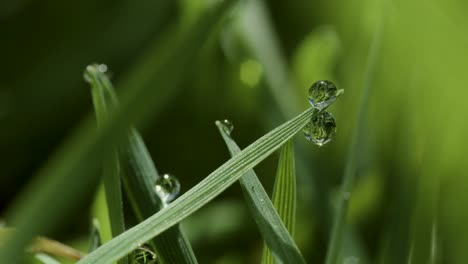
(321, 127)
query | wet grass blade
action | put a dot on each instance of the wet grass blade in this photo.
(61, 183)
(339, 223)
(284, 194)
(94, 75)
(268, 220)
(139, 175)
(200, 194)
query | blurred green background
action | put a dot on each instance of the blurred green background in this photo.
(410, 195)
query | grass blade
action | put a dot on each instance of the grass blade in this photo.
(200, 194)
(59, 185)
(268, 220)
(46, 259)
(339, 224)
(94, 75)
(94, 236)
(139, 175)
(284, 194)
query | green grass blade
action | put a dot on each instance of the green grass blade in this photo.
(268, 220)
(139, 175)
(60, 184)
(202, 193)
(284, 194)
(94, 236)
(261, 39)
(95, 76)
(46, 259)
(339, 223)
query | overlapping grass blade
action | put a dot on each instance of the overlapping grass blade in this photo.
(139, 175)
(46, 259)
(111, 170)
(202, 193)
(268, 220)
(339, 223)
(61, 183)
(284, 194)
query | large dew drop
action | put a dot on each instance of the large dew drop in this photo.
(321, 128)
(144, 254)
(323, 93)
(167, 187)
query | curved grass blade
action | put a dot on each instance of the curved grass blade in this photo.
(284, 194)
(273, 230)
(60, 184)
(339, 224)
(139, 175)
(200, 194)
(94, 75)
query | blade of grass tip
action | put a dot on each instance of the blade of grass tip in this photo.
(94, 75)
(94, 236)
(45, 245)
(338, 228)
(139, 176)
(200, 194)
(61, 182)
(273, 231)
(284, 194)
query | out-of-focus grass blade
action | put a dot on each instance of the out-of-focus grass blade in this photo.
(339, 223)
(60, 184)
(94, 74)
(284, 194)
(139, 176)
(202, 193)
(261, 39)
(46, 259)
(268, 220)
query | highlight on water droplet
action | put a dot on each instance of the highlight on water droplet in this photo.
(322, 93)
(167, 187)
(144, 254)
(321, 128)
(92, 69)
(227, 126)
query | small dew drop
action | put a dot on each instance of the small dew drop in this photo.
(144, 254)
(102, 68)
(228, 126)
(322, 93)
(321, 128)
(167, 187)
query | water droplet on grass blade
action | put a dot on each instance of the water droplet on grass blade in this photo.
(144, 254)
(167, 187)
(323, 93)
(227, 126)
(321, 128)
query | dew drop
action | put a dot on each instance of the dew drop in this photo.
(228, 127)
(321, 128)
(167, 187)
(322, 93)
(144, 254)
(102, 68)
